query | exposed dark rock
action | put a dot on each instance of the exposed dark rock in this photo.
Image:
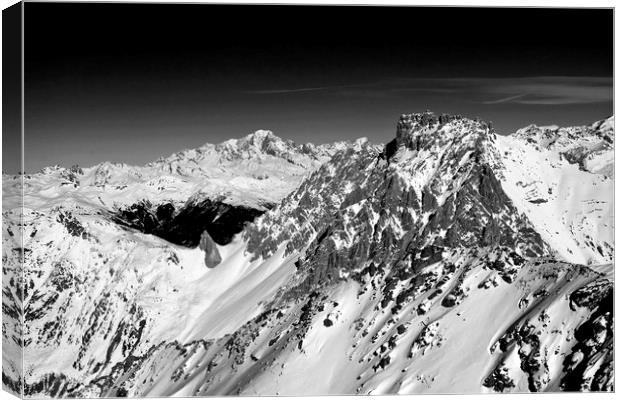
(537, 201)
(72, 224)
(390, 149)
(449, 301)
(184, 227)
(164, 212)
(591, 295)
(594, 342)
(499, 380)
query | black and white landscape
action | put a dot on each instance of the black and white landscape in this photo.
(452, 259)
(455, 256)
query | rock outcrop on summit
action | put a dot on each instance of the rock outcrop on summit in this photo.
(451, 260)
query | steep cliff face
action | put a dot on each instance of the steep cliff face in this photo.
(432, 186)
(417, 267)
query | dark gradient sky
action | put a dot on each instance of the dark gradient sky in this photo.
(129, 83)
(11, 88)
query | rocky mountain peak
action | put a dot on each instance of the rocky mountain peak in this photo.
(261, 142)
(425, 119)
(428, 130)
(260, 136)
(437, 180)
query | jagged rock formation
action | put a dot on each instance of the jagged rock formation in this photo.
(451, 260)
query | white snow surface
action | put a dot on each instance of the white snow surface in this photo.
(571, 207)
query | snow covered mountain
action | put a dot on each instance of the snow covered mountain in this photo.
(450, 260)
(256, 170)
(562, 179)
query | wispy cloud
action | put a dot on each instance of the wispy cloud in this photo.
(553, 90)
(506, 99)
(296, 90)
(332, 88)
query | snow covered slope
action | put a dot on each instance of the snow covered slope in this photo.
(70, 230)
(562, 179)
(419, 267)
